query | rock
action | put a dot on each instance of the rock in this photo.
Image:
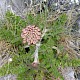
(2, 8)
(68, 73)
(75, 33)
(15, 6)
(9, 77)
(63, 5)
(78, 76)
(77, 73)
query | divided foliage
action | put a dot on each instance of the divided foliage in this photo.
(49, 60)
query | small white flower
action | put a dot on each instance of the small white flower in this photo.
(56, 4)
(10, 59)
(77, 2)
(45, 0)
(73, 1)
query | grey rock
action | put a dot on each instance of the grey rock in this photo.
(15, 6)
(76, 28)
(9, 77)
(68, 73)
(77, 73)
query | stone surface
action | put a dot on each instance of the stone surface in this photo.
(9, 77)
(15, 6)
(75, 33)
(68, 73)
(77, 73)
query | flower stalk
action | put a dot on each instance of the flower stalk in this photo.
(36, 60)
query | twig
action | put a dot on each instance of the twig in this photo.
(36, 53)
(36, 60)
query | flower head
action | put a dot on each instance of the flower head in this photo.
(10, 59)
(31, 34)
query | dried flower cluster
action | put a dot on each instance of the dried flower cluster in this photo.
(31, 34)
